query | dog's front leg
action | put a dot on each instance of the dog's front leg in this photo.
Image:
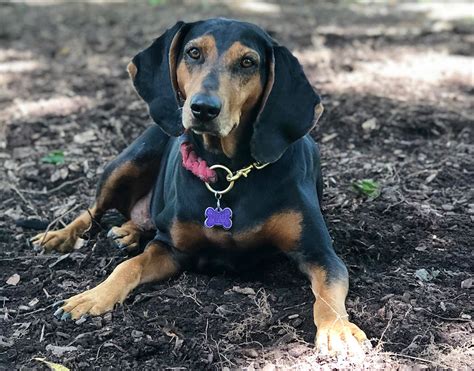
(154, 264)
(329, 283)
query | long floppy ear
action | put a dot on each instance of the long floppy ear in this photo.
(290, 108)
(153, 72)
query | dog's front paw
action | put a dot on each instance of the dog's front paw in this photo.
(125, 238)
(341, 337)
(62, 240)
(94, 302)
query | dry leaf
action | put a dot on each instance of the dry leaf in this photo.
(51, 365)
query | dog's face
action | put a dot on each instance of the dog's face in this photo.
(218, 77)
(221, 74)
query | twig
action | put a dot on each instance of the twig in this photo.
(416, 359)
(37, 310)
(379, 344)
(55, 189)
(28, 203)
(447, 318)
(42, 333)
(56, 220)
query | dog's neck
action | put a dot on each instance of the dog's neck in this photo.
(232, 151)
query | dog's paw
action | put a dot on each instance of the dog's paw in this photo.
(94, 302)
(341, 337)
(125, 237)
(61, 240)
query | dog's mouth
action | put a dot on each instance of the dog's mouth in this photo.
(212, 129)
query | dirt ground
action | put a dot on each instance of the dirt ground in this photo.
(397, 86)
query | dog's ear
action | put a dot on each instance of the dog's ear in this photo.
(153, 72)
(290, 107)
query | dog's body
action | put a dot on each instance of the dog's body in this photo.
(243, 99)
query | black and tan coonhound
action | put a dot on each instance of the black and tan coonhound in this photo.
(222, 92)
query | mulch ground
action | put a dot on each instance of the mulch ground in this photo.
(397, 85)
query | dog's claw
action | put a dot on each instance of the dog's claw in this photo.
(58, 304)
(66, 316)
(114, 236)
(366, 345)
(121, 246)
(58, 313)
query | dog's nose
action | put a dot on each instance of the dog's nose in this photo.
(205, 107)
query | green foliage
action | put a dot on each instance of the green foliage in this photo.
(367, 187)
(426, 276)
(156, 2)
(55, 158)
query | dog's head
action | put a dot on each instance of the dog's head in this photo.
(219, 77)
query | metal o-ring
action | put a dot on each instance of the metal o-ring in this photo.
(229, 187)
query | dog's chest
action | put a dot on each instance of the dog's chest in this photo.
(281, 230)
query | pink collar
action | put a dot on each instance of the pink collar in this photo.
(195, 164)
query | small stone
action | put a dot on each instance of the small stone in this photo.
(244, 290)
(370, 124)
(467, 284)
(107, 317)
(447, 207)
(252, 353)
(58, 350)
(137, 334)
(297, 350)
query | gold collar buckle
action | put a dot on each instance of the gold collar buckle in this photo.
(232, 177)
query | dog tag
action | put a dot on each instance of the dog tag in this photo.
(218, 217)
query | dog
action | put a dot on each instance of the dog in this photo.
(226, 173)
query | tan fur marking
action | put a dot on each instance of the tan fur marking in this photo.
(132, 70)
(190, 84)
(64, 240)
(330, 297)
(154, 264)
(240, 101)
(212, 143)
(120, 175)
(335, 333)
(128, 234)
(283, 230)
(318, 111)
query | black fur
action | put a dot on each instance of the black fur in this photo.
(278, 135)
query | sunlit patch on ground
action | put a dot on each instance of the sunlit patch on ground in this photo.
(60, 106)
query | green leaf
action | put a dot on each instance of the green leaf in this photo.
(51, 365)
(156, 2)
(55, 158)
(426, 276)
(367, 187)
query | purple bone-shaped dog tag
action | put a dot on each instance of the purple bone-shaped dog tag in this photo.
(218, 217)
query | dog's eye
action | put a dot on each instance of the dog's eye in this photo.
(194, 53)
(247, 62)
